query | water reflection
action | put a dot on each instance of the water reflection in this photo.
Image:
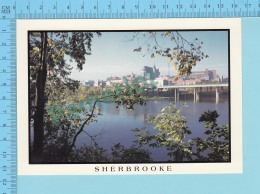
(115, 124)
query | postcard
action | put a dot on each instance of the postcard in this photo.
(127, 96)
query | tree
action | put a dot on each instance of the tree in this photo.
(183, 54)
(171, 134)
(60, 108)
(132, 154)
(217, 144)
(68, 112)
(49, 70)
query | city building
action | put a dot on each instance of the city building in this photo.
(100, 83)
(207, 75)
(113, 80)
(198, 77)
(89, 83)
(162, 81)
(150, 72)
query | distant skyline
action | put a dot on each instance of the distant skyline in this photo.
(112, 55)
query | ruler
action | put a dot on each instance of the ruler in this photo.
(12, 10)
(7, 107)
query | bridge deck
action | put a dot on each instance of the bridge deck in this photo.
(194, 86)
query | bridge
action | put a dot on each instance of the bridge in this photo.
(196, 89)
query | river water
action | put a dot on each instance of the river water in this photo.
(115, 124)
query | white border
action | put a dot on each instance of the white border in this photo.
(23, 26)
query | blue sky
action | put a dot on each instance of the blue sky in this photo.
(112, 55)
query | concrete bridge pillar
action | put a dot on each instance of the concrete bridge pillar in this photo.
(217, 95)
(177, 95)
(196, 95)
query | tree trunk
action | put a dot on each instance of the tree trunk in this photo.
(40, 101)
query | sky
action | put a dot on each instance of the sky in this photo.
(112, 55)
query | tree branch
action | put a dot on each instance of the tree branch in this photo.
(91, 137)
(81, 129)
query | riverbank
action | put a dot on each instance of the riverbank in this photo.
(149, 98)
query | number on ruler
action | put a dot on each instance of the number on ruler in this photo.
(180, 6)
(248, 5)
(234, 5)
(193, 6)
(221, 5)
(109, 6)
(3, 98)
(4, 168)
(165, 6)
(4, 182)
(4, 84)
(136, 6)
(122, 6)
(152, 6)
(206, 6)
(4, 154)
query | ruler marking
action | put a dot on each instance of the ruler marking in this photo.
(8, 140)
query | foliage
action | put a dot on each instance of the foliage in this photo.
(88, 154)
(97, 154)
(126, 94)
(217, 143)
(171, 134)
(172, 130)
(60, 109)
(68, 113)
(63, 118)
(183, 54)
(49, 71)
(59, 46)
(132, 154)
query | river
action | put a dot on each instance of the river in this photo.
(115, 124)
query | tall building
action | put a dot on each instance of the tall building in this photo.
(150, 73)
(156, 72)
